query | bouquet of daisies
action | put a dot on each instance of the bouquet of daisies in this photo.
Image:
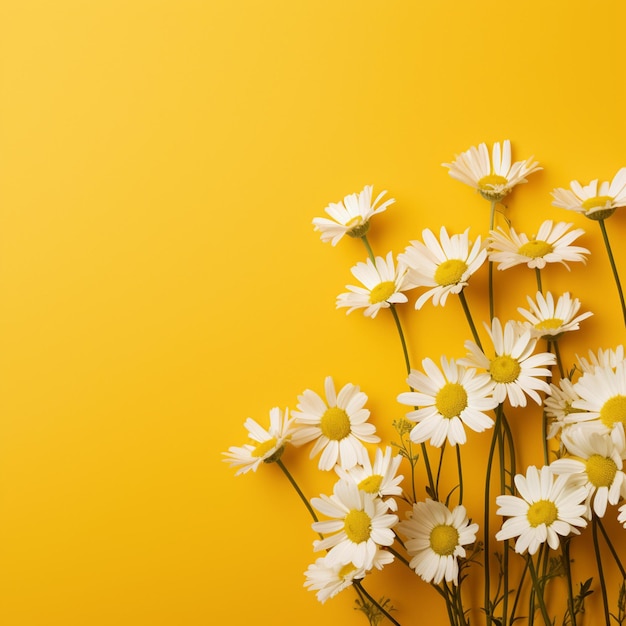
(376, 515)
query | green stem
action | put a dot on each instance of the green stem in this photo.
(441, 453)
(568, 574)
(539, 592)
(609, 543)
(298, 491)
(518, 592)
(470, 321)
(557, 354)
(398, 556)
(358, 585)
(613, 267)
(492, 221)
(407, 360)
(538, 276)
(370, 253)
(460, 468)
(596, 549)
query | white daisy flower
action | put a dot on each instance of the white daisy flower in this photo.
(596, 201)
(351, 216)
(383, 286)
(450, 399)
(558, 405)
(602, 359)
(547, 507)
(621, 517)
(597, 459)
(550, 245)
(328, 578)
(549, 320)
(360, 524)
(493, 178)
(443, 265)
(379, 479)
(268, 444)
(338, 425)
(514, 368)
(435, 539)
(602, 398)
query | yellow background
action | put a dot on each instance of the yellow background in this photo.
(160, 165)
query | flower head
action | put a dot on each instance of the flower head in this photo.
(268, 444)
(351, 216)
(450, 398)
(360, 524)
(338, 425)
(493, 178)
(514, 369)
(435, 539)
(546, 508)
(550, 245)
(549, 320)
(558, 405)
(596, 200)
(608, 358)
(445, 265)
(383, 286)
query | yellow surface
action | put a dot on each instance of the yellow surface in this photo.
(160, 165)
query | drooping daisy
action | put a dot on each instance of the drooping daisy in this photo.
(603, 358)
(338, 425)
(550, 245)
(495, 178)
(383, 286)
(558, 405)
(379, 478)
(450, 398)
(597, 459)
(268, 444)
(593, 200)
(445, 265)
(328, 579)
(360, 525)
(548, 507)
(549, 320)
(602, 398)
(351, 216)
(435, 539)
(514, 369)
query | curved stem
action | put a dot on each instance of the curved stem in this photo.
(361, 590)
(568, 574)
(407, 360)
(441, 453)
(298, 491)
(609, 543)
(470, 321)
(460, 469)
(613, 267)
(539, 592)
(596, 549)
(370, 253)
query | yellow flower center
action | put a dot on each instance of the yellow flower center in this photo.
(600, 470)
(597, 202)
(487, 183)
(335, 423)
(371, 484)
(535, 249)
(382, 291)
(549, 324)
(357, 526)
(504, 369)
(261, 449)
(346, 570)
(450, 272)
(451, 400)
(444, 539)
(356, 220)
(614, 411)
(542, 512)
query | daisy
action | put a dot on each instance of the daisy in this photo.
(558, 405)
(597, 460)
(550, 245)
(445, 265)
(621, 518)
(514, 368)
(383, 286)
(328, 579)
(603, 358)
(549, 321)
(602, 398)
(338, 425)
(495, 178)
(435, 540)
(547, 507)
(268, 444)
(378, 479)
(449, 399)
(595, 202)
(360, 524)
(351, 216)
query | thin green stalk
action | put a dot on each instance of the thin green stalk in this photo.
(407, 360)
(609, 543)
(538, 276)
(613, 267)
(470, 321)
(518, 592)
(568, 575)
(370, 253)
(492, 220)
(460, 469)
(557, 354)
(441, 453)
(539, 592)
(358, 585)
(596, 549)
(298, 490)
(399, 556)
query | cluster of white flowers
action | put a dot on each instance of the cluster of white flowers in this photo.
(585, 411)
